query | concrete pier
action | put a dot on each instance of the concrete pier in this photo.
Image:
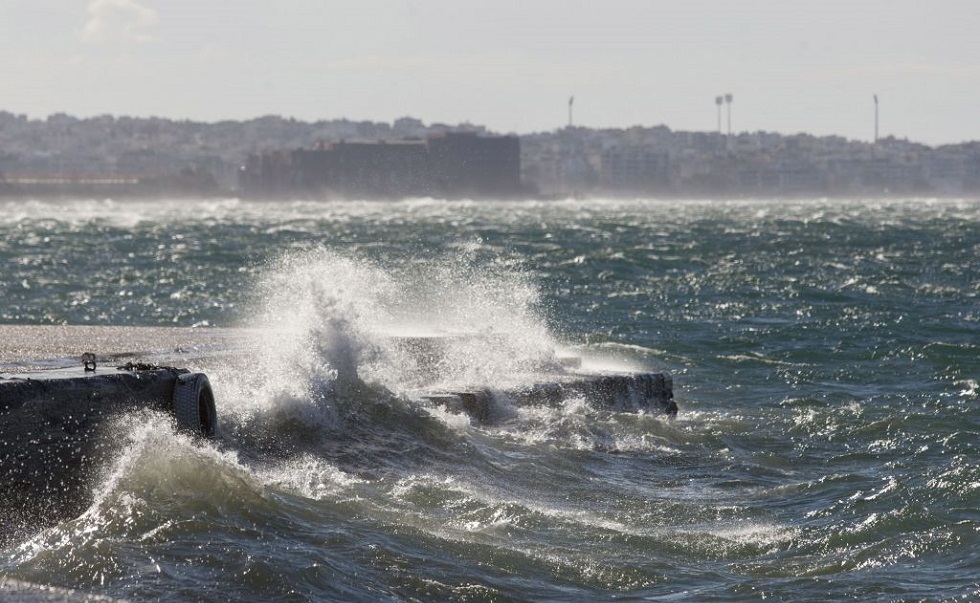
(24, 347)
(54, 410)
(54, 413)
(644, 392)
(560, 379)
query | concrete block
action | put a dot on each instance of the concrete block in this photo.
(644, 392)
(53, 441)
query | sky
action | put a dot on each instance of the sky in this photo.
(511, 65)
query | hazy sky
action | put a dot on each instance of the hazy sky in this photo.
(511, 65)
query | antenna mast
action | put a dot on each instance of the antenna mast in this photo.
(718, 101)
(728, 100)
(876, 119)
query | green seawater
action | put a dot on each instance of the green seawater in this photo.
(825, 357)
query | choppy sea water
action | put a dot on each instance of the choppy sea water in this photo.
(825, 356)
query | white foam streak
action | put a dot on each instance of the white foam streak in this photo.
(309, 477)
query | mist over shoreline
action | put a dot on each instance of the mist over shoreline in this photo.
(137, 157)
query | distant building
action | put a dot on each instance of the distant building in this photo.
(635, 169)
(453, 164)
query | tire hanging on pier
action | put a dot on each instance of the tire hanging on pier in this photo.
(194, 408)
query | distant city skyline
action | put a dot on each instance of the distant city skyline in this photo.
(791, 66)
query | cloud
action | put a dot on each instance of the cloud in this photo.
(118, 21)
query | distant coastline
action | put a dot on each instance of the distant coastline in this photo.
(123, 157)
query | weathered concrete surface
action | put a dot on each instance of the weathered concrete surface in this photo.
(52, 438)
(651, 392)
(644, 392)
(557, 379)
(53, 414)
(29, 347)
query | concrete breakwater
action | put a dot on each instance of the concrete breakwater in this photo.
(55, 412)
(550, 384)
(53, 430)
(643, 392)
(26, 347)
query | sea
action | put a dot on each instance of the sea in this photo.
(825, 356)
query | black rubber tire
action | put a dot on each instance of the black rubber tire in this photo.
(194, 408)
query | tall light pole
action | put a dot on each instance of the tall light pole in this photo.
(876, 119)
(571, 101)
(718, 101)
(728, 101)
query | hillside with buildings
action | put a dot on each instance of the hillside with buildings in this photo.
(119, 156)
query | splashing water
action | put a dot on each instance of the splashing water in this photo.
(330, 321)
(824, 353)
